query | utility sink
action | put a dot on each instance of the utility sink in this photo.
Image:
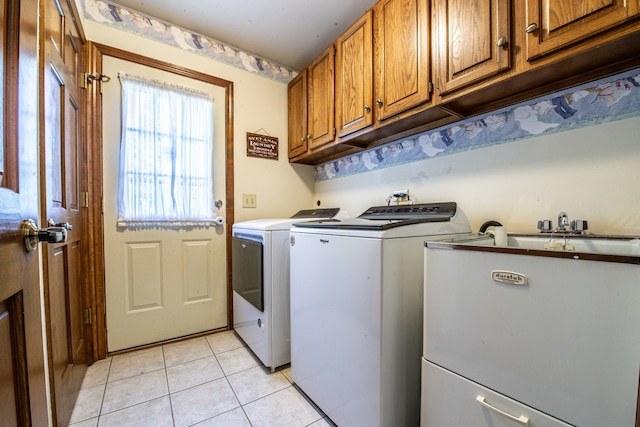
(564, 245)
(550, 320)
(612, 245)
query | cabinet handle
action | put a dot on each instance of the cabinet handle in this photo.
(308, 136)
(501, 42)
(379, 102)
(522, 420)
(367, 109)
(531, 28)
(302, 139)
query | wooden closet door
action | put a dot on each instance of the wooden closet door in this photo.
(62, 176)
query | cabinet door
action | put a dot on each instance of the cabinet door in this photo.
(401, 48)
(451, 400)
(354, 75)
(554, 24)
(298, 115)
(321, 99)
(473, 41)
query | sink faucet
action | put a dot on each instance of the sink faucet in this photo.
(563, 221)
(577, 226)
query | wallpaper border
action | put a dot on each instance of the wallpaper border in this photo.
(115, 15)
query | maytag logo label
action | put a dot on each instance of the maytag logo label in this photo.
(509, 277)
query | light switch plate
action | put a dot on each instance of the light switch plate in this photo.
(249, 200)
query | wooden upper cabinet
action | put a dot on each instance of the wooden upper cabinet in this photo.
(487, 54)
(401, 55)
(473, 41)
(321, 124)
(354, 76)
(297, 92)
(555, 24)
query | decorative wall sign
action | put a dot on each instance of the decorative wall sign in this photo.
(262, 146)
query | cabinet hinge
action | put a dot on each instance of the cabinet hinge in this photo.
(430, 87)
(335, 132)
(87, 317)
(84, 199)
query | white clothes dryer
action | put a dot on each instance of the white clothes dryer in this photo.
(260, 272)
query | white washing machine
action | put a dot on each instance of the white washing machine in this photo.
(260, 266)
(356, 310)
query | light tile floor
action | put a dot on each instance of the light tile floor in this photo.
(206, 381)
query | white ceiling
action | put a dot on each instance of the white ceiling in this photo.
(289, 32)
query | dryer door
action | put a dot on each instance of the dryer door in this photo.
(246, 264)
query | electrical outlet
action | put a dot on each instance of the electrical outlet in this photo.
(249, 200)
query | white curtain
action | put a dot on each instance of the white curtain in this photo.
(166, 156)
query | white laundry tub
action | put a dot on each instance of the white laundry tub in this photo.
(554, 329)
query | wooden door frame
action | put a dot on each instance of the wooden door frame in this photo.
(97, 293)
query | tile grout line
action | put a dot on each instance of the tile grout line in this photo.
(233, 390)
(104, 391)
(166, 378)
(226, 377)
(229, 383)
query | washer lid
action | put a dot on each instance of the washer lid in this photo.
(366, 224)
(386, 217)
(317, 213)
(271, 224)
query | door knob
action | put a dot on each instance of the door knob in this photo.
(33, 235)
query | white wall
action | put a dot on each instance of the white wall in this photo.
(260, 104)
(592, 173)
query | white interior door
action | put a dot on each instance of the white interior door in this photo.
(160, 284)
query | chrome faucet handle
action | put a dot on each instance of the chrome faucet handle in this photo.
(579, 226)
(544, 226)
(563, 221)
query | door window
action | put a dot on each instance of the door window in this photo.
(166, 155)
